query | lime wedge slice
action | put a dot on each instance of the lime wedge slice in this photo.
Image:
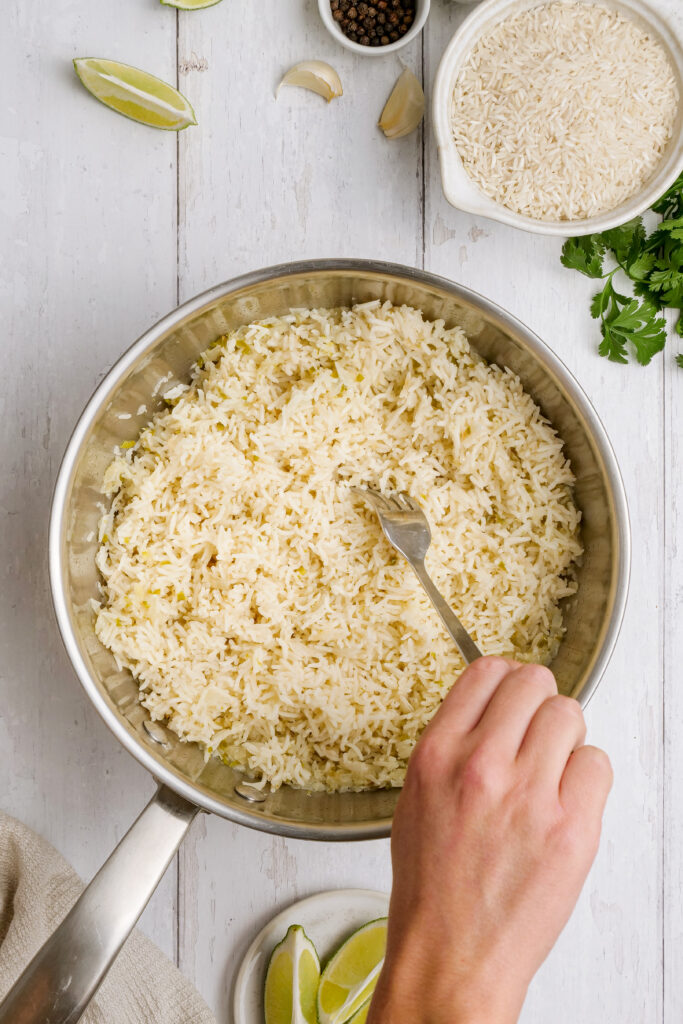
(362, 1015)
(190, 5)
(135, 93)
(292, 980)
(350, 977)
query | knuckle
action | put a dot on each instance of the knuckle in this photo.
(541, 677)
(480, 773)
(567, 706)
(431, 756)
(488, 665)
(601, 766)
(492, 661)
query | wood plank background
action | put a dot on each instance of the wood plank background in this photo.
(105, 225)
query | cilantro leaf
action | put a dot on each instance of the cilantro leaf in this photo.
(639, 264)
(667, 283)
(584, 254)
(612, 346)
(679, 360)
(637, 322)
(599, 301)
(654, 265)
(643, 288)
(671, 203)
(673, 227)
(626, 320)
(625, 241)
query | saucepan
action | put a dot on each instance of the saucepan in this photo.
(62, 978)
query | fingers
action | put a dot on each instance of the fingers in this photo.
(586, 782)
(509, 713)
(555, 731)
(468, 698)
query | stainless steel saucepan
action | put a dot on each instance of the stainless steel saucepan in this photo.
(62, 978)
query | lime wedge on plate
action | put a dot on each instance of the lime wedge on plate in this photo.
(350, 977)
(292, 980)
(190, 5)
(362, 1015)
(135, 93)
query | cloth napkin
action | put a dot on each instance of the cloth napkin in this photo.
(37, 888)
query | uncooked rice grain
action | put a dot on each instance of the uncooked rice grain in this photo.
(564, 111)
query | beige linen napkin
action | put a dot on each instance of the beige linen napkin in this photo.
(37, 888)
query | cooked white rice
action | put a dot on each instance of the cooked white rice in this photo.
(253, 595)
(564, 111)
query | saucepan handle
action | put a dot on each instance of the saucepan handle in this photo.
(64, 975)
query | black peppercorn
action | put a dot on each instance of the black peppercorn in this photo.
(377, 23)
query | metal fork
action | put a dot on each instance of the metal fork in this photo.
(406, 527)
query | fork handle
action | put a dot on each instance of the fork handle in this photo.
(462, 638)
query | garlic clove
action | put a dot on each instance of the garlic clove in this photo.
(315, 75)
(405, 107)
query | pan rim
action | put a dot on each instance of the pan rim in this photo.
(193, 792)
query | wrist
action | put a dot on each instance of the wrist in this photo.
(405, 992)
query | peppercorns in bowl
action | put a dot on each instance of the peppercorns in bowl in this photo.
(374, 27)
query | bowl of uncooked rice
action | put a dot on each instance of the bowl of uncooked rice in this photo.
(560, 116)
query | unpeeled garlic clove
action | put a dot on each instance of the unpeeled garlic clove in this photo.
(315, 75)
(404, 109)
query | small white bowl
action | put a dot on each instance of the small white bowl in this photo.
(421, 13)
(458, 187)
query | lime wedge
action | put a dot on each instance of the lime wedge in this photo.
(135, 93)
(292, 980)
(350, 977)
(362, 1015)
(190, 5)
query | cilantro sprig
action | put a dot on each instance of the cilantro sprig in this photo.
(654, 265)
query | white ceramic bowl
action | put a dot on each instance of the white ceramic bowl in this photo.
(421, 12)
(459, 188)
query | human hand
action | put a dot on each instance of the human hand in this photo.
(493, 836)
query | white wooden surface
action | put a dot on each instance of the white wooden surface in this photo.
(104, 226)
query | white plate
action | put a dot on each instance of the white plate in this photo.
(327, 918)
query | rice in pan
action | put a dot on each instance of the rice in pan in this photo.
(253, 595)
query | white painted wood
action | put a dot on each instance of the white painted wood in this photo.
(672, 526)
(97, 244)
(608, 964)
(87, 261)
(264, 181)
